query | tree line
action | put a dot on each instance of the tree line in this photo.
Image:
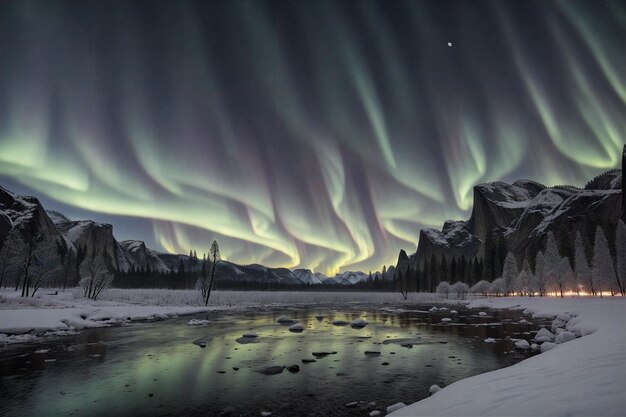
(592, 265)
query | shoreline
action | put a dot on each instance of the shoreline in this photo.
(582, 377)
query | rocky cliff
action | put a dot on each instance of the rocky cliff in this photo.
(26, 217)
(143, 257)
(523, 213)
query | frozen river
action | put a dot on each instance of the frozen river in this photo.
(155, 368)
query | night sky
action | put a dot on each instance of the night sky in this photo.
(317, 134)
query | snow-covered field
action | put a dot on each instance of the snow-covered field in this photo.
(582, 377)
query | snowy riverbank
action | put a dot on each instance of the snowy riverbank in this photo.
(582, 377)
(51, 312)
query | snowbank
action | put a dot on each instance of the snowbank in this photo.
(40, 320)
(582, 377)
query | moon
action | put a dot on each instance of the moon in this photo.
(449, 43)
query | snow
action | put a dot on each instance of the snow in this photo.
(522, 344)
(40, 320)
(395, 407)
(490, 340)
(196, 322)
(544, 335)
(582, 377)
(446, 320)
(76, 230)
(434, 389)
(565, 336)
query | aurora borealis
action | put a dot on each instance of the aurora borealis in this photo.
(317, 134)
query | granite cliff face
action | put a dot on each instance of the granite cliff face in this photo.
(498, 204)
(523, 213)
(142, 256)
(96, 239)
(26, 217)
(623, 184)
(454, 240)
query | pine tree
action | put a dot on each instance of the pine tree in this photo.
(524, 278)
(214, 254)
(509, 273)
(538, 282)
(566, 249)
(444, 269)
(603, 272)
(552, 260)
(462, 268)
(453, 270)
(434, 273)
(582, 271)
(620, 253)
(489, 264)
(500, 251)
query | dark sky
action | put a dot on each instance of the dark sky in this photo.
(318, 134)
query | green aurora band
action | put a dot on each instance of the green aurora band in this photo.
(322, 135)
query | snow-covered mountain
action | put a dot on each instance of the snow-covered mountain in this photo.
(521, 215)
(143, 256)
(96, 239)
(86, 238)
(306, 276)
(24, 217)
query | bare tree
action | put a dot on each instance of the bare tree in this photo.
(481, 287)
(443, 288)
(400, 276)
(45, 264)
(8, 260)
(461, 289)
(21, 254)
(214, 257)
(561, 276)
(95, 276)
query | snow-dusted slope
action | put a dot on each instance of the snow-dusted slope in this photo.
(454, 240)
(499, 203)
(25, 215)
(96, 239)
(351, 277)
(306, 276)
(521, 214)
(582, 377)
(143, 256)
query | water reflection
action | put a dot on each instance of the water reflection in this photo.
(156, 369)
